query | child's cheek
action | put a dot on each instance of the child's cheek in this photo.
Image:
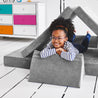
(52, 42)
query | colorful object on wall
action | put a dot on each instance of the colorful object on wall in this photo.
(5, 9)
(29, 1)
(25, 19)
(4, 29)
(19, 0)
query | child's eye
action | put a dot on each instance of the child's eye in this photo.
(53, 37)
(59, 38)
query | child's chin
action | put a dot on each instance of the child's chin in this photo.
(57, 47)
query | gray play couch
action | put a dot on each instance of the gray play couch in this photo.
(54, 69)
(50, 70)
(57, 71)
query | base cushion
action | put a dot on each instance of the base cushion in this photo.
(15, 59)
(57, 71)
(91, 62)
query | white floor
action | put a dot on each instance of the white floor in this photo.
(14, 81)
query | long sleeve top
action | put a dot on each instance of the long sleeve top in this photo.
(69, 55)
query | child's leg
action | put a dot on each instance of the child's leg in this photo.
(84, 45)
(79, 47)
(72, 39)
(85, 42)
(74, 36)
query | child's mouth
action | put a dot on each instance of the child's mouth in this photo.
(56, 44)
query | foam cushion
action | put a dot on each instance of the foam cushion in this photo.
(91, 62)
(87, 19)
(57, 71)
(15, 59)
(93, 41)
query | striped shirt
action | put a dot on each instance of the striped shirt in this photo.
(50, 50)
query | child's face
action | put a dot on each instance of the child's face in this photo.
(59, 38)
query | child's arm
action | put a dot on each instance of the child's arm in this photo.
(68, 55)
(48, 51)
(59, 50)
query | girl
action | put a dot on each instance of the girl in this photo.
(62, 40)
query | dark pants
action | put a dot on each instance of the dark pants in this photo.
(84, 45)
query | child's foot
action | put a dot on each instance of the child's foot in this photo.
(88, 32)
(88, 35)
(74, 31)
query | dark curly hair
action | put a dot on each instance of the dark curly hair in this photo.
(63, 24)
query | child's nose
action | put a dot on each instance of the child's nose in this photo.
(56, 40)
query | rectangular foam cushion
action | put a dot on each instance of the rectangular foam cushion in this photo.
(15, 59)
(91, 62)
(57, 71)
(87, 19)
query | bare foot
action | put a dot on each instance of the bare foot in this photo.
(88, 32)
(74, 31)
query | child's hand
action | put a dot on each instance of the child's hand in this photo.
(59, 50)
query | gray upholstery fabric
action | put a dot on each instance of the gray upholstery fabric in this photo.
(68, 13)
(86, 19)
(57, 71)
(91, 62)
(15, 59)
(93, 41)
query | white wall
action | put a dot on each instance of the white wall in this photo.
(52, 10)
(90, 6)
